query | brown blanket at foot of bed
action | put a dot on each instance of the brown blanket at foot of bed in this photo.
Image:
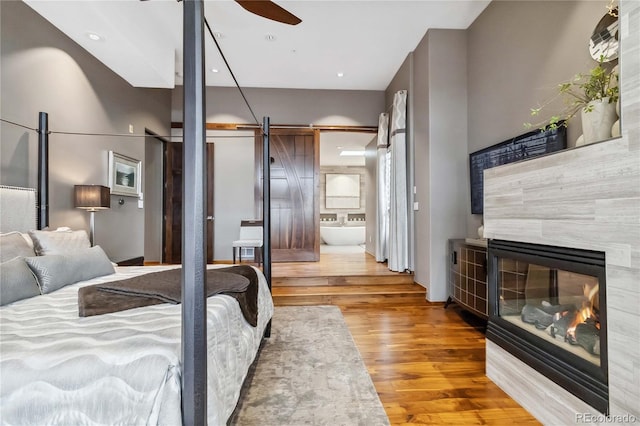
(240, 282)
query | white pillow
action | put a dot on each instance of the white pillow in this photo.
(13, 245)
(58, 242)
(17, 281)
(57, 270)
(28, 239)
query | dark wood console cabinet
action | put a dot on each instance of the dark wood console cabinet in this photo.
(468, 276)
(136, 261)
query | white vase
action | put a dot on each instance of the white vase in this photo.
(596, 124)
(615, 129)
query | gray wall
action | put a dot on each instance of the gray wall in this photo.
(518, 52)
(153, 199)
(439, 125)
(43, 70)
(401, 81)
(289, 106)
(447, 143)
(234, 182)
(421, 105)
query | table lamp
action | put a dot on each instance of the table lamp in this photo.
(92, 198)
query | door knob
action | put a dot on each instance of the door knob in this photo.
(210, 218)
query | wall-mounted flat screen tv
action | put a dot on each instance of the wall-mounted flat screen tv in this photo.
(523, 147)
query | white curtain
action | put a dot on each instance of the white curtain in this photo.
(382, 190)
(398, 246)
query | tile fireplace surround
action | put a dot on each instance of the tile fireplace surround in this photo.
(587, 198)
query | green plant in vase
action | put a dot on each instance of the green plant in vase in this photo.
(588, 94)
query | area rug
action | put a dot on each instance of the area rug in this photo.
(309, 372)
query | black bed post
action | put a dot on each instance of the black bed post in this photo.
(43, 170)
(194, 248)
(266, 208)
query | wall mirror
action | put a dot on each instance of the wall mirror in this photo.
(342, 191)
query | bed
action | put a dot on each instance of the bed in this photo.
(121, 367)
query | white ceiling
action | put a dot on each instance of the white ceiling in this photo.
(367, 40)
(332, 143)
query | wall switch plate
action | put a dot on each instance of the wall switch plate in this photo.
(130, 128)
(416, 206)
(140, 204)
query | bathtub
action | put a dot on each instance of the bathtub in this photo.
(343, 235)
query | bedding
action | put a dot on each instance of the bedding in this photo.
(117, 368)
(239, 282)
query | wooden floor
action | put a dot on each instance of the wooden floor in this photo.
(427, 363)
(341, 278)
(333, 264)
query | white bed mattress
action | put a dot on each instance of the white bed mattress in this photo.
(119, 368)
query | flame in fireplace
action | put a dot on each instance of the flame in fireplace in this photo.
(587, 313)
(582, 316)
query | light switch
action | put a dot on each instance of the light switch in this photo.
(416, 207)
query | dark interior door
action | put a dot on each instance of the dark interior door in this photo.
(173, 203)
(295, 173)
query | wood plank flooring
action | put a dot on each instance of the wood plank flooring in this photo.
(427, 363)
(334, 264)
(428, 366)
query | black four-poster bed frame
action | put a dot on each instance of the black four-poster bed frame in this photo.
(194, 264)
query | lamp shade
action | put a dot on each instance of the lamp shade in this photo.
(92, 197)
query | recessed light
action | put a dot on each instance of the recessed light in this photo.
(340, 74)
(218, 34)
(94, 36)
(215, 70)
(352, 154)
(270, 37)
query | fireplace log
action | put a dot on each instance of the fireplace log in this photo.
(560, 326)
(532, 314)
(542, 315)
(588, 336)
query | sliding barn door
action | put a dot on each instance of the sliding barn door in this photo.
(295, 174)
(173, 203)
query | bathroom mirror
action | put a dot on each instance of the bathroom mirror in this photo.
(342, 191)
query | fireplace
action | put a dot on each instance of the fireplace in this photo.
(547, 307)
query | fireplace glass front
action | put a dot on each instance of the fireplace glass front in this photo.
(559, 306)
(548, 307)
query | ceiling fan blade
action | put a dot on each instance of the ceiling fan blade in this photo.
(270, 10)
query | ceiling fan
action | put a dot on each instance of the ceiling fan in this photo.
(268, 9)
